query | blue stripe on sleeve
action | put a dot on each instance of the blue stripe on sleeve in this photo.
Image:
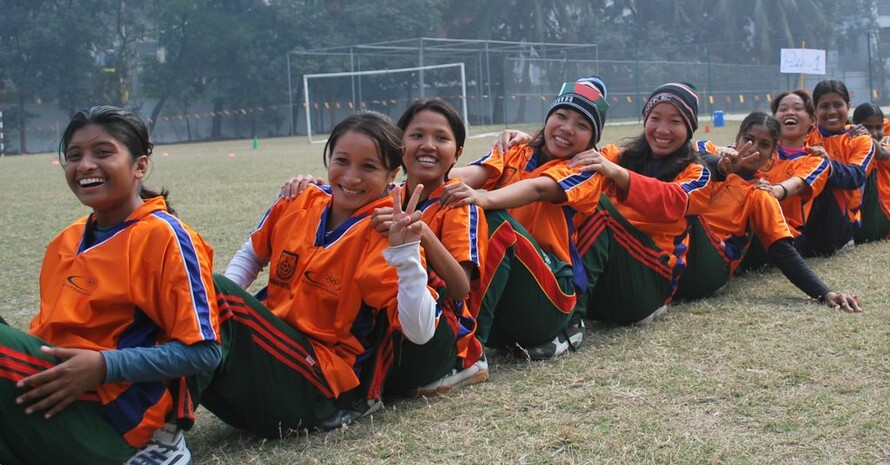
(699, 183)
(474, 233)
(197, 288)
(811, 178)
(574, 180)
(481, 160)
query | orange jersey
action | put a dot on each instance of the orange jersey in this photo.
(813, 170)
(550, 224)
(464, 233)
(327, 284)
(146, 283)
(735, 208)
(882, 167)
(855, 152)
(690, 195)
(462, 230)
(706, 146)
(886, 127)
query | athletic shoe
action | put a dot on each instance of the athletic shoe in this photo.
(475, 374)
(569, 338)
(166, 447)
(649, 319)
(346, 416)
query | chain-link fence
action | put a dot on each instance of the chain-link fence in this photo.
(503, 83)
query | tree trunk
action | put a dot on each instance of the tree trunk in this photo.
(155, 112)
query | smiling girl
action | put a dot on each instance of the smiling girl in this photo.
(304, 357)
(634, 246)
(454, 241)
(127, 310)
(743, 204)
(533, 275)
(836, 212)
(797, 172)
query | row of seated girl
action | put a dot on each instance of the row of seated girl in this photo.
(373, 288)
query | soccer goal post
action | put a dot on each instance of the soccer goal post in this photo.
(330, 97)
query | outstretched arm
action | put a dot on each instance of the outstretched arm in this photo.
(540, 189)
(786, 257)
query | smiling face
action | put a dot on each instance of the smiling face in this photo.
(794, 119)
(430, 149)
(357, 174)
(665, 129)
(103, 174)
(763, 142)
(566, 133)
(832, 111)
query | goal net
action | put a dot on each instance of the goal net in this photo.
(328, 98)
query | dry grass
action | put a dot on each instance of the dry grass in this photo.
(756, 374)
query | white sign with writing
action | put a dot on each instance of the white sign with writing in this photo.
(803, 60)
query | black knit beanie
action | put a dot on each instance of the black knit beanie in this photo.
(682, 95)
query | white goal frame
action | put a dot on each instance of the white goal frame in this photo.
(307, 77)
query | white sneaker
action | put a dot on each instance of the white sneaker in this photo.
(568, 339)
(475, 374)
(166, 447)
(649, 319)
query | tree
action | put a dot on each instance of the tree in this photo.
(37, 61)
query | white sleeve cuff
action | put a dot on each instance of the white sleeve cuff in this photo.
(417, 308)
(245, 266)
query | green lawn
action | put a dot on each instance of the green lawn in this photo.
(757, 374)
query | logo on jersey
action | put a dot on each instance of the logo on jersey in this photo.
(287, 265)
(82, 284)
(324, 281)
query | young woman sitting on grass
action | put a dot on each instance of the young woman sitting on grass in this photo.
(876, 195)
(454, 240)
(305, 356)
(127, 311)
(741, 205)
(835, 215)
(634, 245)
(531, 296)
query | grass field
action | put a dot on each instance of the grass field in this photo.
(757, 374)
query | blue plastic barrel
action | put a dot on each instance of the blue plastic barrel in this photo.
(718, 119)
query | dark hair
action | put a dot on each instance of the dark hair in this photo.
(379, 128)
(866, 110)
(808, 104)
(124, 126)
(638, 157)
(759, 118)
(828, 86)
(441, 107)
(436, 105)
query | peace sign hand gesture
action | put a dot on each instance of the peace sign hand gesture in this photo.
(406, 226)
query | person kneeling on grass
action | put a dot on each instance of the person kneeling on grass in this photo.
(308, 354)
(741, 205)
(127, 312)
